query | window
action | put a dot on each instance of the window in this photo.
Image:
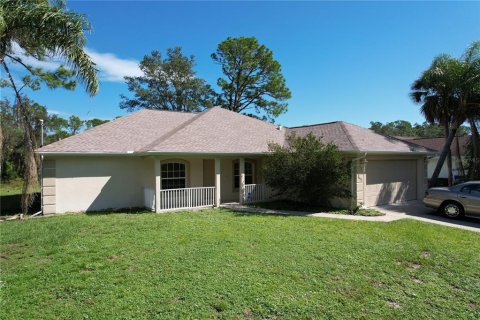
(173, 175)
(248, 174)
(472, 189)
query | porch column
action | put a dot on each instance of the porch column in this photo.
(241, 172)
(217, 182)
(158, 184)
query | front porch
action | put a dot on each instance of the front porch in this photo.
(192, 182)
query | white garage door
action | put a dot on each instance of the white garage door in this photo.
(390, 181)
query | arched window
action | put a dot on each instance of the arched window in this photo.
(173, 175)
(248, 173)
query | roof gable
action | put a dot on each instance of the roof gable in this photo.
(220, 131)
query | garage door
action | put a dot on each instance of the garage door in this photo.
(390, 181)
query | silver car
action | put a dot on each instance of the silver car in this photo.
(455, 201)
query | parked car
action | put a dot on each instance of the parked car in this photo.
(456, 201)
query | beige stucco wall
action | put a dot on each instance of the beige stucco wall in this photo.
(72, 184)
(209, 172)
(99, 183)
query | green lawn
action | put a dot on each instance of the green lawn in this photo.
(301, 207)
(216, 264)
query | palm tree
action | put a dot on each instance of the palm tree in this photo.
(447, 91)
(42, 29)
(472, 106)
(433, 89)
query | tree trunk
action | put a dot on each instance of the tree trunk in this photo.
(449, 156)
(1, 152)
(30, 178)
(460, 160)
(443, 155)
(475, 169)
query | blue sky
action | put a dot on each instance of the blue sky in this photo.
(351, 61)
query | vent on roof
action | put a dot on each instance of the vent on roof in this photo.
(279, 127)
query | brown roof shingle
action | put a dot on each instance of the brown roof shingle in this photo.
(438, 143)
(215, 130)
(128, 133)
(350, 137)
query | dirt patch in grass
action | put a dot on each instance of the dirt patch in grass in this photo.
(425, 254)
(414, 265)
(394, 304)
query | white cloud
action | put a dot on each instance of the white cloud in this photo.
(111, 68)
(57, 112)
(49, 65)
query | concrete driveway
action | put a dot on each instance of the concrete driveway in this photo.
(416, 210)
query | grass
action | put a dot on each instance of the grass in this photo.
(10, 197)
(301, 207)
(218, 264)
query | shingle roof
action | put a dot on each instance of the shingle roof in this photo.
(350, 137)
(215, 130)
(220, 131)
(438, 143)
(128, 133)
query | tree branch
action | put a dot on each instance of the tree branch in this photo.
(21, 62)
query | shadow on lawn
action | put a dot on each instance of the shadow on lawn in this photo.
(268, 214)
(11, 204)
(118, 211)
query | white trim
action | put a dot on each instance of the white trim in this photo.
(181, 161)
(218, 179)
(206, 154)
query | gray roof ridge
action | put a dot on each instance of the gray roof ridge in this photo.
(431, 138)
(172, 111)
(173, 131)
(248, 117)
(407, 142)
(313, 125)
(348, 135)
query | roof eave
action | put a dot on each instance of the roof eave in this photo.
(147, 153)
(85, 153)
(204, 153)
(379, 152)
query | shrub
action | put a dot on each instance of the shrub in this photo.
(307, 170)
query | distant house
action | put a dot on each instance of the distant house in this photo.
(437, 144)
(165, 160)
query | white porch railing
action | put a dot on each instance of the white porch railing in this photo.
(187, 198)
(257, 193)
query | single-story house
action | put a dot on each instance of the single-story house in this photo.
(457, 149)
(165, 160)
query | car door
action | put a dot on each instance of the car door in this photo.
(470, 197)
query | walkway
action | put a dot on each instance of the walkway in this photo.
(408, 210)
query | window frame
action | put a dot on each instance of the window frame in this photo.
(162, 178)
(237, 163)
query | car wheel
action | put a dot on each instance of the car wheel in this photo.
(452, 210)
